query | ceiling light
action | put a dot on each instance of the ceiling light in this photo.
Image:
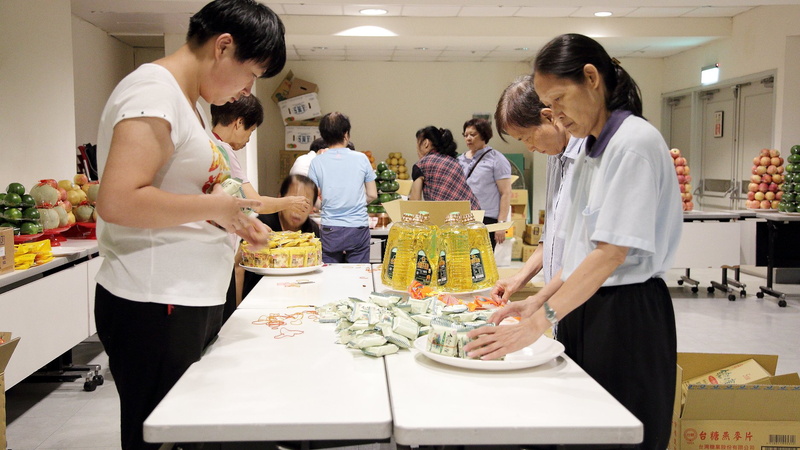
(522, 49)
(603, 14)
(373, 12)
(367, 30)
(420, 48)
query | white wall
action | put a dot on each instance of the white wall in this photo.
(389, 101)
(37, 120)
(761, 39)
(100, 61)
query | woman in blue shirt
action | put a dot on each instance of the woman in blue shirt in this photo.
(612, 306)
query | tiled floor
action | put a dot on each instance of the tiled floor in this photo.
(64, 416)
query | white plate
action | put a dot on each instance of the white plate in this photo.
(542, 351)
(284, 271)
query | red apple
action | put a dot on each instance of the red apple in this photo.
(764, 152)
(675, 153)
(680, 161)
(765, 160)
(776, 161)
(754, 171)
(681, 179)
(755, 178)
(752, 187)
(682, 187)
(687, 197)
(766, 178)
(757, 161)
(686, 170)
(688, 177)
(779, 195)
(763, 187)
(775, 204)
(689, 206)
(680, 170)
(773, 187)
(766, 204)
(80, 179)
(761, 170)
(777, 178)
(769, 195)
(751, 195)
(774, 153)
(772, 169)
(758, 196)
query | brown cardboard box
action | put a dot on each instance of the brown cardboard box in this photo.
(533, 232)
(734, 416)
(299, 137)
(6, 349)
(281, 92)
(287, 161)
(302, 87)
(527, 251)
(6, 250)
(519, 196)
(516, 250)
(438, 211)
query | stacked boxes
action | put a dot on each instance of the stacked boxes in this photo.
(6, 250)
(299, 105)
(519, 216)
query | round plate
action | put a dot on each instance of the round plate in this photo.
(284, 271)
(479, 291)
(542, 351)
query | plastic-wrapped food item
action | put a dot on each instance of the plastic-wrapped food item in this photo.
(419, 305)
(405, 326)
(423, 319)
(381, 350)
(443, 338)
(367, 340)
(398, 340)
(364, 310)
(384, 300)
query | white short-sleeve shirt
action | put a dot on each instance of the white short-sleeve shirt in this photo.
(628, 197)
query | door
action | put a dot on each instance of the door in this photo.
(756, 121)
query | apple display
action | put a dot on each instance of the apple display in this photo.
(766, 178)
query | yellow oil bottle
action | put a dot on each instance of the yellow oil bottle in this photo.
(424, 239)
(483, 265)
(453, 272)
(399, 248)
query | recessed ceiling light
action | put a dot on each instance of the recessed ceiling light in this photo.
(373, 12)
(318, 48)
(603, 14)
(522, 49)
(420, 48)
(367, 30)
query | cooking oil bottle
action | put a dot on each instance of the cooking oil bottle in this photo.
(399, 249)
(483, 265)
(453, 262)
(424, 238)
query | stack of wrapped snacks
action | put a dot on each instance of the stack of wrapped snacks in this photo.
(286, 249)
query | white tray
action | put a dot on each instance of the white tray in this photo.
(542, 351)
(281, 271)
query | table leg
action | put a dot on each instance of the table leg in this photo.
(772, 231)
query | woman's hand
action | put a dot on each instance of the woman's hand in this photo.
(298, 203)
(500, 236)
(229, 215)
(523, 309)
(495, 342)
(505, 287)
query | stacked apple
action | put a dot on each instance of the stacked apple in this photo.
(684, 178)
(764, 191)
(789, 195)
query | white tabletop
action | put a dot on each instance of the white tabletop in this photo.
(325, 285)
(250, 386)
(556, 403)
(710, 215)
(65, 253)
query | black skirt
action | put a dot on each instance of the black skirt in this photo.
(624, 337)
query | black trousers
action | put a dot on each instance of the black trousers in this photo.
(149, 347)
(624, 337)
(489, 221)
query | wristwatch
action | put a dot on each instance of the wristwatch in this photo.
(550, 314)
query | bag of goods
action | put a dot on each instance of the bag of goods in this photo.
(286, 249)
(764, 190)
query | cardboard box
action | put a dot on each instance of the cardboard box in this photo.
(287, 158)
(6, 350)
(533, 232)
(734, 416)
(516, 250)
(304, 123)
(527, 251)
(541, 217)
(519, 196)
(300, 138)
(302, 87)
(300, 108)
(281, 92)
(6, 250)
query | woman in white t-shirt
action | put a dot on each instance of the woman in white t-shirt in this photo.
(613, 309)
(164, 220)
